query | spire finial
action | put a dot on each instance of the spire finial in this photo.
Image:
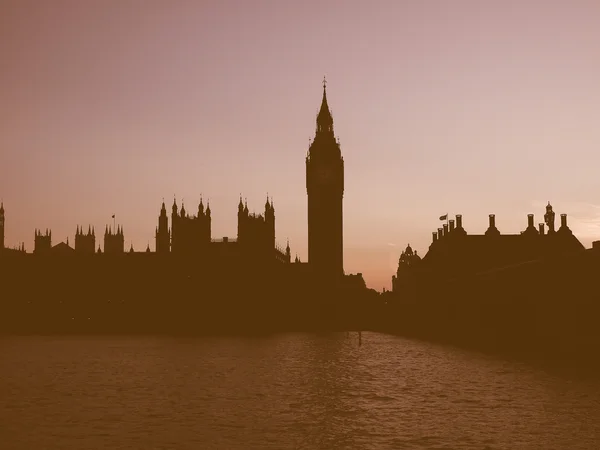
(324, 82)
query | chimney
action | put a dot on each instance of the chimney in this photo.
(563, 221)
(459, 221)
(530, 220)
(541, 228)
(451, 224)
(434, 233)
(445, 229)
(492, 221)
(440, 233)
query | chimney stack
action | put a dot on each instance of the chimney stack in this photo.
(530, 220)
(459, 221)
(445, 229)
(451, 224)
(541, 228)
(434, 233)
(563, 221)
(440, 233)
(492, 221)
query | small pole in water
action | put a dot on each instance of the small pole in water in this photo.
(359, 338)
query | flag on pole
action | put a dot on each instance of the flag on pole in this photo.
(444, 217)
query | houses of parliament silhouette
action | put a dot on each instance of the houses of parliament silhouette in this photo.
(193, 281)
(190, 235)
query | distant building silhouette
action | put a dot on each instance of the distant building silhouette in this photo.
(1, 226)
(408, 259)
(42, 242)
(85, 243)
(189, 236)
(163, 232)
(114, 242)
(453, 251)
(325, 190)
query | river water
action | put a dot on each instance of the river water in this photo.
(294, 391)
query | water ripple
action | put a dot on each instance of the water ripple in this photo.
(295, 391)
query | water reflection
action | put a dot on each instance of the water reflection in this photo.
(294, 391)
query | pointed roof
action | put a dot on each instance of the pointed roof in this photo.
(1, 207)
(324, 118)
(63, 247)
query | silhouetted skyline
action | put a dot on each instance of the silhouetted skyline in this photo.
(435, 106)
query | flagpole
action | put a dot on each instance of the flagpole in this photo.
(114, 223)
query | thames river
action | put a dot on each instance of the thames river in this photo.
(294, 391)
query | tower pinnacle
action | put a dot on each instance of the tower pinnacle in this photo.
(324, 118)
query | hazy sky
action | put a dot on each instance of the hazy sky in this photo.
(471, 107)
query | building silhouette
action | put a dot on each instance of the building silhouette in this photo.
(114, 240)
(1, 226)
(187, 237)
(42, 242)
(163, 232)
(85, 243)
(454, 252)
(325, 190)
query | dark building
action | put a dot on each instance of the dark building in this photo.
(189, 234)
(42, 242)
(325, 190)
(407, 261)
(256, 232)
(1, 226)
(188, 246)
(454, 252)
(163, 232)
(114, 242)
(85, 243)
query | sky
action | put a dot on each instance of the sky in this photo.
(461, 107)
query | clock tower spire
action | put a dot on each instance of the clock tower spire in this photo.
(325, 189)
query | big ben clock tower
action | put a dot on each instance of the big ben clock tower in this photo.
(325, 189)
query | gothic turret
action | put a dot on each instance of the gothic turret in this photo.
(85, 242)
(163, 234)
(1, 226)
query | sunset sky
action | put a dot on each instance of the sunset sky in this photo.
(465, 107)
